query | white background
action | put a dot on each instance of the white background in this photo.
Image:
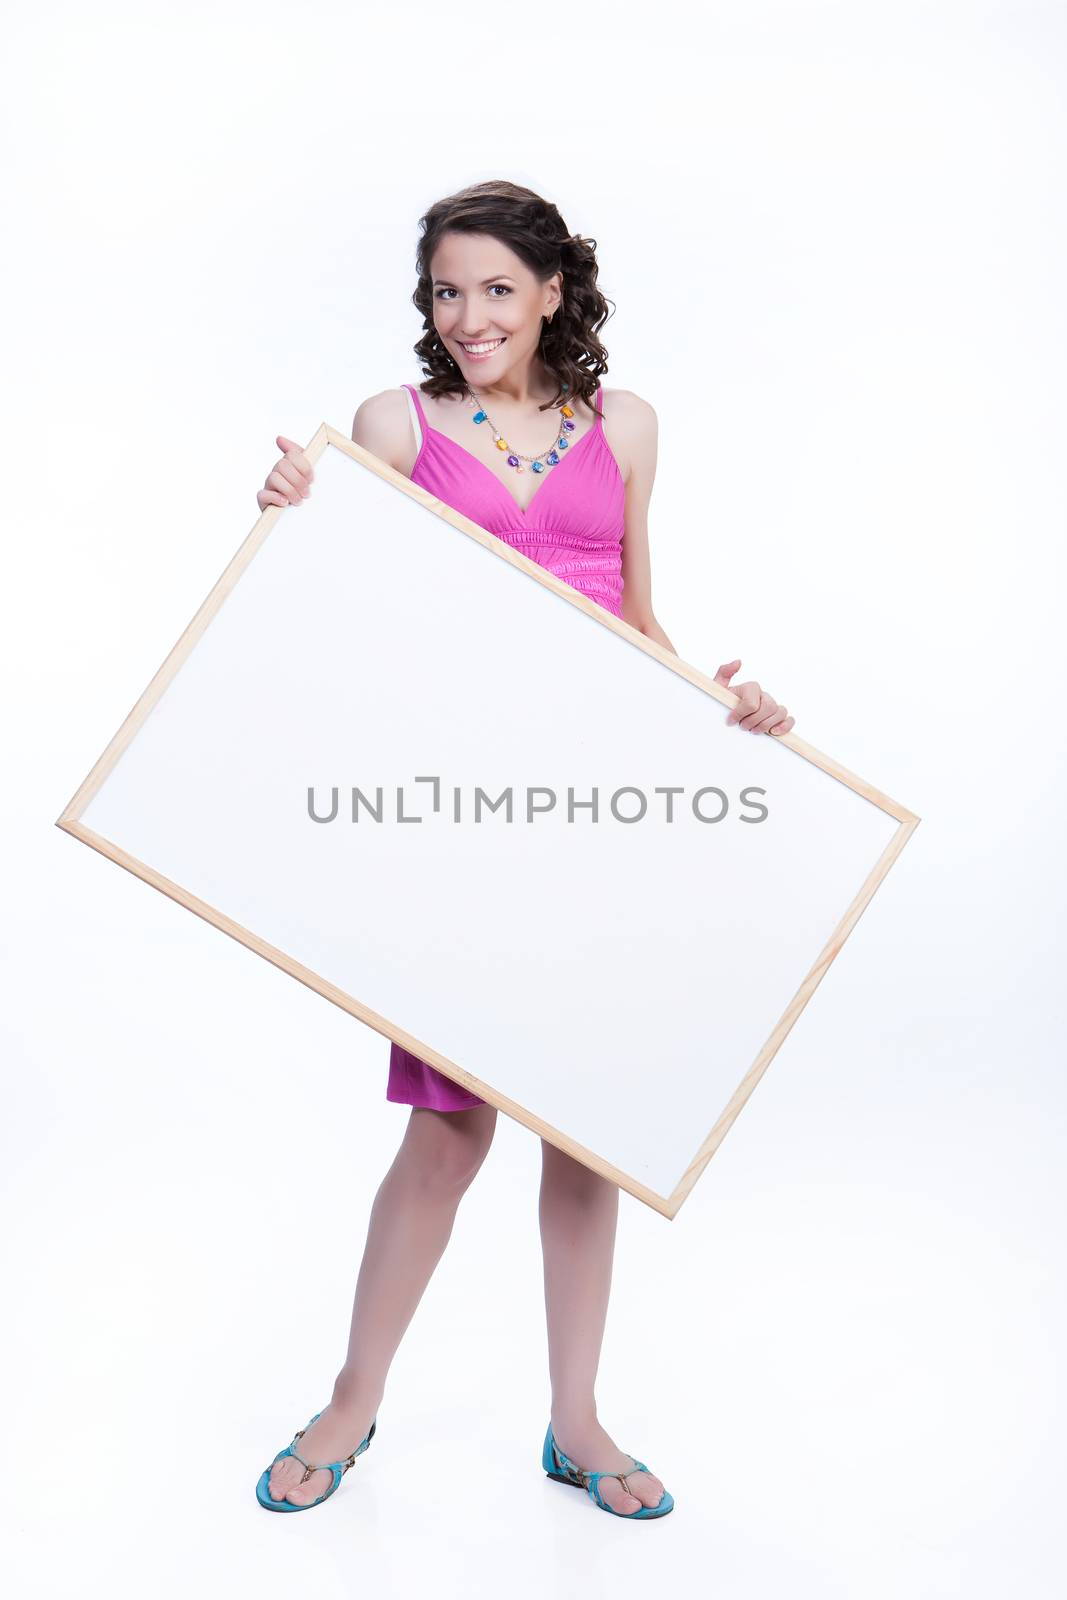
(835, 236)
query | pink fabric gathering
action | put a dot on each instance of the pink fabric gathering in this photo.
(573, 527)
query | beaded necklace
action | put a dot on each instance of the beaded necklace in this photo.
(515, 458)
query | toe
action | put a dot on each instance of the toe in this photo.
(302, 1494)
(646, 1486)
(613, 1492)
(282, 1478)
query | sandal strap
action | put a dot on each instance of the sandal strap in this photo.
(638, 1466)
(323, 1466)
(588, 1480)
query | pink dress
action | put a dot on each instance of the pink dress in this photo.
(574, 527)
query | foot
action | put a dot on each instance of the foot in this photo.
(594, 1450)
(341, 1428)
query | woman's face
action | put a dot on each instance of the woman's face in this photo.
(484, 295)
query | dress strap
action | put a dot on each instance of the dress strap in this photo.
(418, 415)
(598, 406)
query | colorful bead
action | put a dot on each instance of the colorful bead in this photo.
(552, 457)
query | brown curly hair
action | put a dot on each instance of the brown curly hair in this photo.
(534, 229)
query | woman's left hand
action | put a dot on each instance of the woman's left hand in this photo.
(757, 710)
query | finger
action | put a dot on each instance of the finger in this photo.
(295, 454)
(769, 713)
(750, 696)
(288, 480)
(294, 472)
(278, 481)
(764, 711)
(292, 496)
(269, 497)
(726, 671)
(784, 727)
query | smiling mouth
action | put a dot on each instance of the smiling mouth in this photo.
(483, 348)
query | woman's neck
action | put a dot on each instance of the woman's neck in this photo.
(524, 388)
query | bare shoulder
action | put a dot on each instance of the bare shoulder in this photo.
(631, 428)
(382, 425)
(631, 410)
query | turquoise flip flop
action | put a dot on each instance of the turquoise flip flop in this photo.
(338, 1468)
(564, 1470)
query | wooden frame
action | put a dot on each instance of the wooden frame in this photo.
(71, 821)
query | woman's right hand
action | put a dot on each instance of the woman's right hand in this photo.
(288, 480)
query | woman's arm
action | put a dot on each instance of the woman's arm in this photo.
(382, 425)
(635, 431)
(635, 439)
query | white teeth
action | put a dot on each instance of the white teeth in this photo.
(481, 349)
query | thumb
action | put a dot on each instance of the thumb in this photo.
(726, 672)
(286, 444)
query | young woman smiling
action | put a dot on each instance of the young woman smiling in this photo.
(512, 428)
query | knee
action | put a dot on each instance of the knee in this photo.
(450, 1146)
(562, 1174)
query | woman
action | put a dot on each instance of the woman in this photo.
(511, 429)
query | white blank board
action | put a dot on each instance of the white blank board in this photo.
(618, 986)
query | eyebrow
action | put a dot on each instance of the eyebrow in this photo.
(495, 279)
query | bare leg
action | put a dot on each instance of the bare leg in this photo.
(579, 1214)
(411, 1222)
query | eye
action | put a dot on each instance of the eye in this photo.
(439, 294)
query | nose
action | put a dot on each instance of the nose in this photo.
(471, 335)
